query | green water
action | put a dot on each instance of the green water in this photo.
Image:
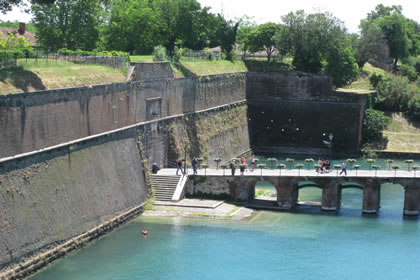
(305, 244)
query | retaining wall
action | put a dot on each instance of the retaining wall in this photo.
(31, 121)
(51, 197)
(298, 110)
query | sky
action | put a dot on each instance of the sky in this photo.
(351, 12)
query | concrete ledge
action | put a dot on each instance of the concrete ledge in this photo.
(365, 211)
(411, 212)
(324, 208)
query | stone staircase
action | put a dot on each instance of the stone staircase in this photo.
(164, 186)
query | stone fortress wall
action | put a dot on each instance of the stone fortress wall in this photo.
(49, 197)
(297, 111)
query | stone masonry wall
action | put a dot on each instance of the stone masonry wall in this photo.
(50, 197)
(31, 121)
(298, 110)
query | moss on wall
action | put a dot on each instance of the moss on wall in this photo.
(222, 133)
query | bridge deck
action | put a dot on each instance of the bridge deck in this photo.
(401, 173)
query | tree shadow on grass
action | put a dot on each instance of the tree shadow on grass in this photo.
(21, 78)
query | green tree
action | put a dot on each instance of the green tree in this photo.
(262, 38)
(68, 24)
(245, 28)
(395, 33)
(374, 123)
(7, 5)
(318, 43)
(132, 27)
(227, 36)
(371, 44)
(178, 19)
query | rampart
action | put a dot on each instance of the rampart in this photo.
(51, 197)
(31, 121)
(293, 111)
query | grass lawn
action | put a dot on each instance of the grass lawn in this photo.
(141, 58)
(403, 135)
(34, 75)
(205, 67)
(362, 84)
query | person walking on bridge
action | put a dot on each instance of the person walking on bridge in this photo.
(194, 164)
(179, 166)
(343, 168)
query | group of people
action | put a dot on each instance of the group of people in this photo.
(324, 166)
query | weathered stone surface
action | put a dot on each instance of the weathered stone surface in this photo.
(31, 121)
(298, 111)
(54, 196)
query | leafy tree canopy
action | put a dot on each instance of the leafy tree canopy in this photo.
(262, 38)
(7, 5)
(318, 43)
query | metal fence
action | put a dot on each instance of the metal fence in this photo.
(8, 59)
(193, 55)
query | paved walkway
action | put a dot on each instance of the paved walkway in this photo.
(401, 173)
(199, 208)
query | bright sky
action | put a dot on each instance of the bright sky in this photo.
(351, 12)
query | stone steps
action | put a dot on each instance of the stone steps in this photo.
(164, 186)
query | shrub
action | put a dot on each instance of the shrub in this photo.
(409, 72)
(394, 92)
(374, 79)
(159, 53)
(374, 123)
(414, 107)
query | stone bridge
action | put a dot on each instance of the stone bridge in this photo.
(243, 188)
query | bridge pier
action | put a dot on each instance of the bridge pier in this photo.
(330, 199)
(286, 193)
(371, 197)
(412, 199)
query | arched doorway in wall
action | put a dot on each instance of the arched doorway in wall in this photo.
(265, 191)
(351, 198)
(392, 200)
(309, 194)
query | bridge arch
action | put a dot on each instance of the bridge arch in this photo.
(352, 197)
(308, 196)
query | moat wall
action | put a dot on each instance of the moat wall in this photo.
(50, 197)
(298, 111)
(31, 121)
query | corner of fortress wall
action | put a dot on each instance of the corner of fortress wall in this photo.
(54, 196)
(49, 197)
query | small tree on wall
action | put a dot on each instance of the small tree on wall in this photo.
(351, 161)
(370, 161)
(337, 167)
(376, 167)
(395, 167)
(272, 161)
(309, 161)
(299, 166)
(200, 161)
(356, 167)
(217, 161)
(389, 162)
(261, 166)
(223, 166)
(205, 166)
(317, 168)
(280, 167)
(290, 161)
(415, 167)
(409, 162)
